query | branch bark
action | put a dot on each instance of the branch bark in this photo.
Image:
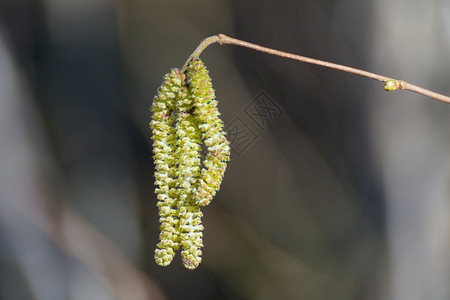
(390, 83)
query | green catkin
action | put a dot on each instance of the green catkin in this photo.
(164, 145)
(188, 150)
(185, 115)
(188, 155)
(213, 135)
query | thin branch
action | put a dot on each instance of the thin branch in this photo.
(223, 39)
(390, 83)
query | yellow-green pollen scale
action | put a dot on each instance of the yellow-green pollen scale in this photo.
(191, 235)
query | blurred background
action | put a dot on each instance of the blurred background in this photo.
(336, 189)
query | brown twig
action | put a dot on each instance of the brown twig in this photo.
(390, 84)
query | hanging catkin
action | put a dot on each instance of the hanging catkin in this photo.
(213, 135)
(164, 146)
(185, 116)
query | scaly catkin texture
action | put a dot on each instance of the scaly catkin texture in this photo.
(164, 145)
(213, 135)
(191, 235)
(188, 154)
(185, 115)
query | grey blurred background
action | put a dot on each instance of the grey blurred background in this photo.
(337, 189)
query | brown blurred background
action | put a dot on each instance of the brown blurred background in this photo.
(336, 190)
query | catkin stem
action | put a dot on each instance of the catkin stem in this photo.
(203, 44)
(389, 86)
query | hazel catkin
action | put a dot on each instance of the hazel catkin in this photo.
(164, 145)
(188, 156)
(185, 116)
(213, 135)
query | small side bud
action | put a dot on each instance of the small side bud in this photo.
(392, 85)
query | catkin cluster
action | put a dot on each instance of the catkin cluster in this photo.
(185, 116)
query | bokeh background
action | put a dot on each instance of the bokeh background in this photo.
(337, 189)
